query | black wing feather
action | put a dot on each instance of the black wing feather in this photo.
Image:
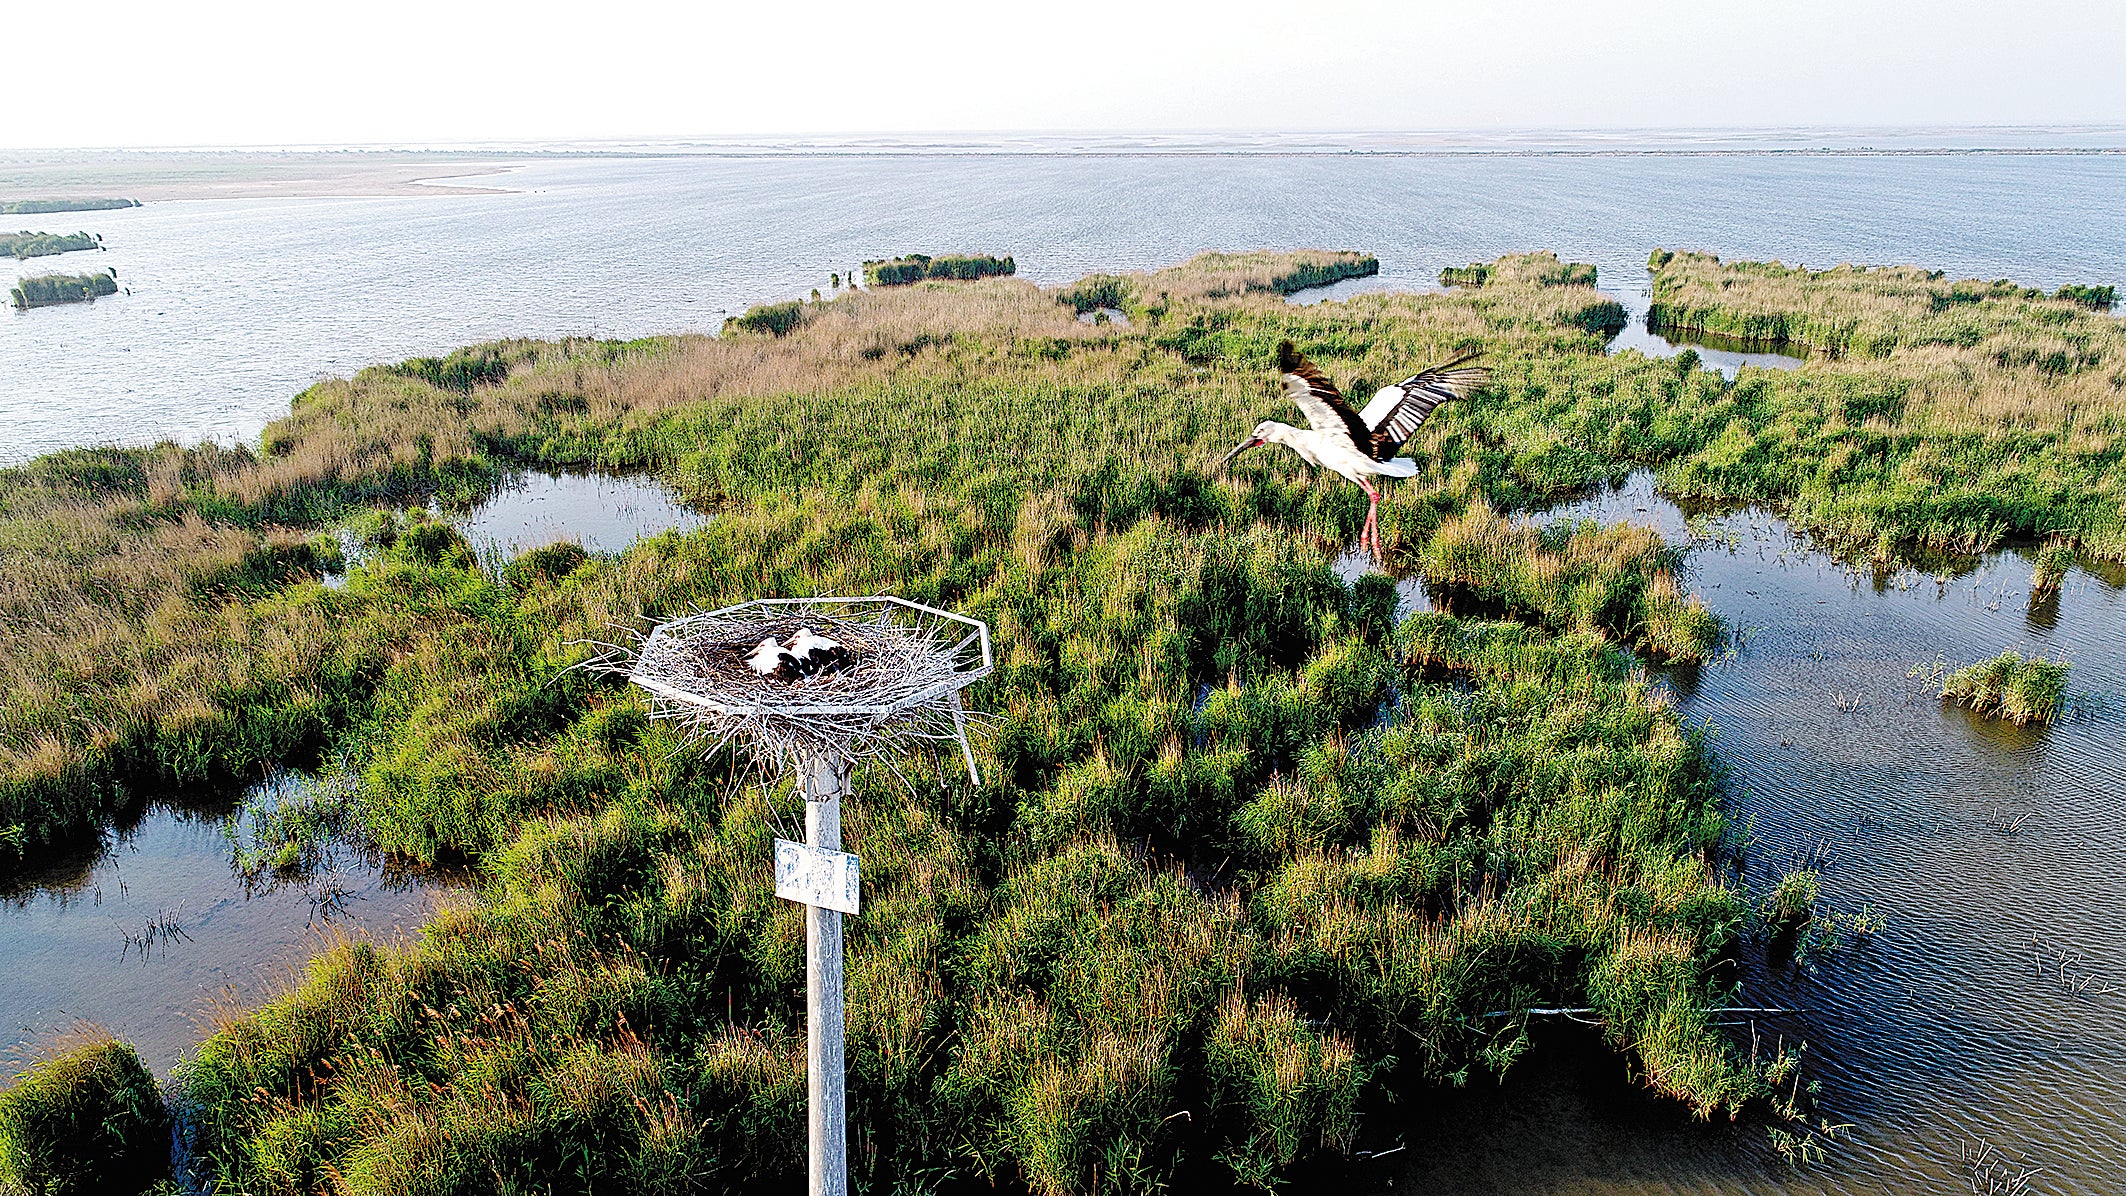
(1422, 392)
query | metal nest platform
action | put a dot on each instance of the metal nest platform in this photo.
(900, 689)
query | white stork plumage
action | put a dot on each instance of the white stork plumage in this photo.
(1360, 445)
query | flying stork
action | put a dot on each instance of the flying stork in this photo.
(1360, 445)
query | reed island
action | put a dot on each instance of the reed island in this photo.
(41, 207)
(26, 244)
(46, 290)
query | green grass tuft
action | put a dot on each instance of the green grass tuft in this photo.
(86, 1120)
(916, 267)
(2011, 687)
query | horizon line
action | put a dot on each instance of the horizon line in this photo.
(2045, 137)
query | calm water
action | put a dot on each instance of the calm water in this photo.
(601, 512)
(75, 943)
(1941, 1030)
(237, 304)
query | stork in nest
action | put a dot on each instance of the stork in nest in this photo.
(1360, 445)
(807, 654)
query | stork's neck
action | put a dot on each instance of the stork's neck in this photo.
(1284, 434)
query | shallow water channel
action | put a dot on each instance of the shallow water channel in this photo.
(1956, 1022)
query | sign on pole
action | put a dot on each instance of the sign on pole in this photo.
(816, 876)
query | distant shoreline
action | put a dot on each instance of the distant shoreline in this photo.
(160, 176)
(169, 175)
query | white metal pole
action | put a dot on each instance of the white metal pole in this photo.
(826, 1116)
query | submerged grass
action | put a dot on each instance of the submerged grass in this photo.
(2011, 687)
(1209, 875)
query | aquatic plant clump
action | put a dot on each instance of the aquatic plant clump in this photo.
(2053, 562)
(2099, 297)
(2011, 687)
(46, 290)
(775, 319)
(26, 244)
(87, 1120)
(916, 267)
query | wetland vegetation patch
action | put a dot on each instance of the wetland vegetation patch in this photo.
(40, 207)
(916, 267)
(46, 290)
(1252, 849)
(26, 244)
(2011, 687)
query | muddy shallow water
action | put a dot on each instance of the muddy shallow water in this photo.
(1942, 1030)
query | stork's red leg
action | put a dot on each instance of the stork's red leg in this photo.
(1372, 533)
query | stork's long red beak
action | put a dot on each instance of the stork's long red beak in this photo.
(1238, 449)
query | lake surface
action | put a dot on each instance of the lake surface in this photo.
(1941, 1030)
(238, 304)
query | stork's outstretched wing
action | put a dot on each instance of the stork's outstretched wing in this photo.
(1319, 399)
(1397, 411)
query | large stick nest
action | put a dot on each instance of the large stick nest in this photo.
(901, 687)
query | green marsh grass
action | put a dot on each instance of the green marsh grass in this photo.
(2054, 559)
(2011, 687)
(1955, 415)
(775, 319)
(2099, 297)
(84, 1121)
(1249, 850)
(1539, 269)
(1615, 582)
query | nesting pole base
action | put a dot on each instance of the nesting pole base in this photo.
(826, 778)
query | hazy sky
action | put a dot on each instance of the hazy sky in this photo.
(174, 73)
